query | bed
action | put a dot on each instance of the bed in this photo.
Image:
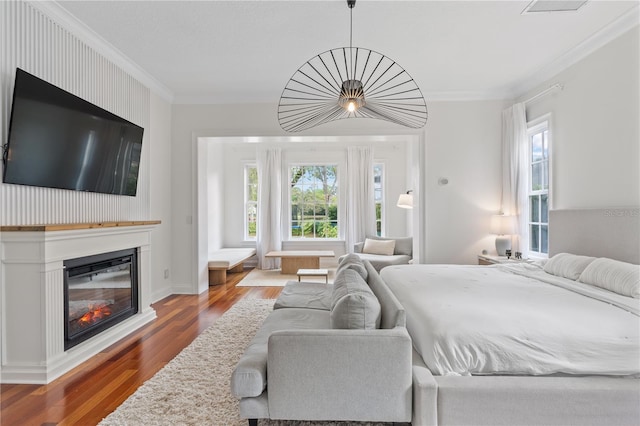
(531, 343)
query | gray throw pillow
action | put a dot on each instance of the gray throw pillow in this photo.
(353, 262)
(404, 245)
(353, 304)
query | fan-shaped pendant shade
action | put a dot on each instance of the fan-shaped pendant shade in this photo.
(350, 82)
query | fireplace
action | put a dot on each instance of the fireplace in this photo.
(99, 292)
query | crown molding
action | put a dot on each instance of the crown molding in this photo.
(59, 14)
(465, 96)
(608, 33)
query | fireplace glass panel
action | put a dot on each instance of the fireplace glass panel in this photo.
(100, 291)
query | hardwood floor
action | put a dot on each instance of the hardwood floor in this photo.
(91, 391)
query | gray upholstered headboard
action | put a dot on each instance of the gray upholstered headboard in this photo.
(612, 233)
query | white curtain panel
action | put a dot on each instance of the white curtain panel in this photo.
(269, 233)
(360, 207)
(515, 173)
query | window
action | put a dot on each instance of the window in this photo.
(378, 196)
(314, 201)
(250, 201)
(538, 189)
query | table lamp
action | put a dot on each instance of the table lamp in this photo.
(503, 226)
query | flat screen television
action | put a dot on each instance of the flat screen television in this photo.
(58, 140)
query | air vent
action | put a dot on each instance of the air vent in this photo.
(553, 6)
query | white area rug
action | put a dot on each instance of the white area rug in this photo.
(273, 278)
(193, 389)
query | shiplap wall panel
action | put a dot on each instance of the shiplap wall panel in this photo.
(35, 43)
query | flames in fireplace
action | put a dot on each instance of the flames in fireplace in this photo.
(95, 314)
(85, 313)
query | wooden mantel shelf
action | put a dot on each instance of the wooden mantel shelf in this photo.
(74, 226)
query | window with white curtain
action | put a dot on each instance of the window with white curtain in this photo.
(378, 196)
(539, 142)
(250, 201)
(314, 201)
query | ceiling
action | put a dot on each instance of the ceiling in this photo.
(246, 51)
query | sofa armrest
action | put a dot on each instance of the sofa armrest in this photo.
(357, 247)
(362, 375)
(425, 394)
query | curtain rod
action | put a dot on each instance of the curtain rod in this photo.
(548, 90)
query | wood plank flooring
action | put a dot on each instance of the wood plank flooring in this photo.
(91, 391)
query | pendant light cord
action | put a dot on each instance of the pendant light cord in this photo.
(351, 41)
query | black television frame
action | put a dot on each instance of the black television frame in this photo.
(115, 157)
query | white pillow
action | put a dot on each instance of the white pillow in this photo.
(384, 247)
(620, 277)
(567, 265)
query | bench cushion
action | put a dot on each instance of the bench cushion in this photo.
(227, 258)
(249, 378)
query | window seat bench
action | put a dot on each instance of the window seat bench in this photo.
(227, 259)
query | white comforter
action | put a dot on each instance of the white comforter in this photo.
(468, 320)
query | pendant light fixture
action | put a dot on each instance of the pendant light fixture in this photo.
(350, 82)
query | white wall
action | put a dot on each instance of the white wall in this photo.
(160, 199)
(463, 146)
(218, 185)
(595, 125)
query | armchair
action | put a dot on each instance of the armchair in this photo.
(402, 252)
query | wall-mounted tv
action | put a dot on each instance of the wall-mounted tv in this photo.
(58, 140)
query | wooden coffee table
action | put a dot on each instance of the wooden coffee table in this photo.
(314, 273)
(292, 260)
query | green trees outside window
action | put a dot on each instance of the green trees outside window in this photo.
(251, 201)
(314, 201)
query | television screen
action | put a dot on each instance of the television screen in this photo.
(57, 140)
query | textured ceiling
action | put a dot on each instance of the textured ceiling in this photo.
(246, 51)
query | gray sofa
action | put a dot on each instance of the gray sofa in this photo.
(402, 252)
(330, 352)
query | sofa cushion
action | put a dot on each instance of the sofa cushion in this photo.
(404, 246)
(352, 261)
(379, 262)
(381, 247)
(392, 314)
(353, 304)
(305, 295)
(249, 378)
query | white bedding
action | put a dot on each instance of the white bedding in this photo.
(515, 319)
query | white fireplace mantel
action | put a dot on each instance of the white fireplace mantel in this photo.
(32, 294)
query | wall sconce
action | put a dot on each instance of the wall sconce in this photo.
(405, 201)
(502, 226)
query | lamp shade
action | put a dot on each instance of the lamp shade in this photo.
(405, 201)
(502, 224)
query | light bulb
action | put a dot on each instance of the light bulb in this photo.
(351, 106)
